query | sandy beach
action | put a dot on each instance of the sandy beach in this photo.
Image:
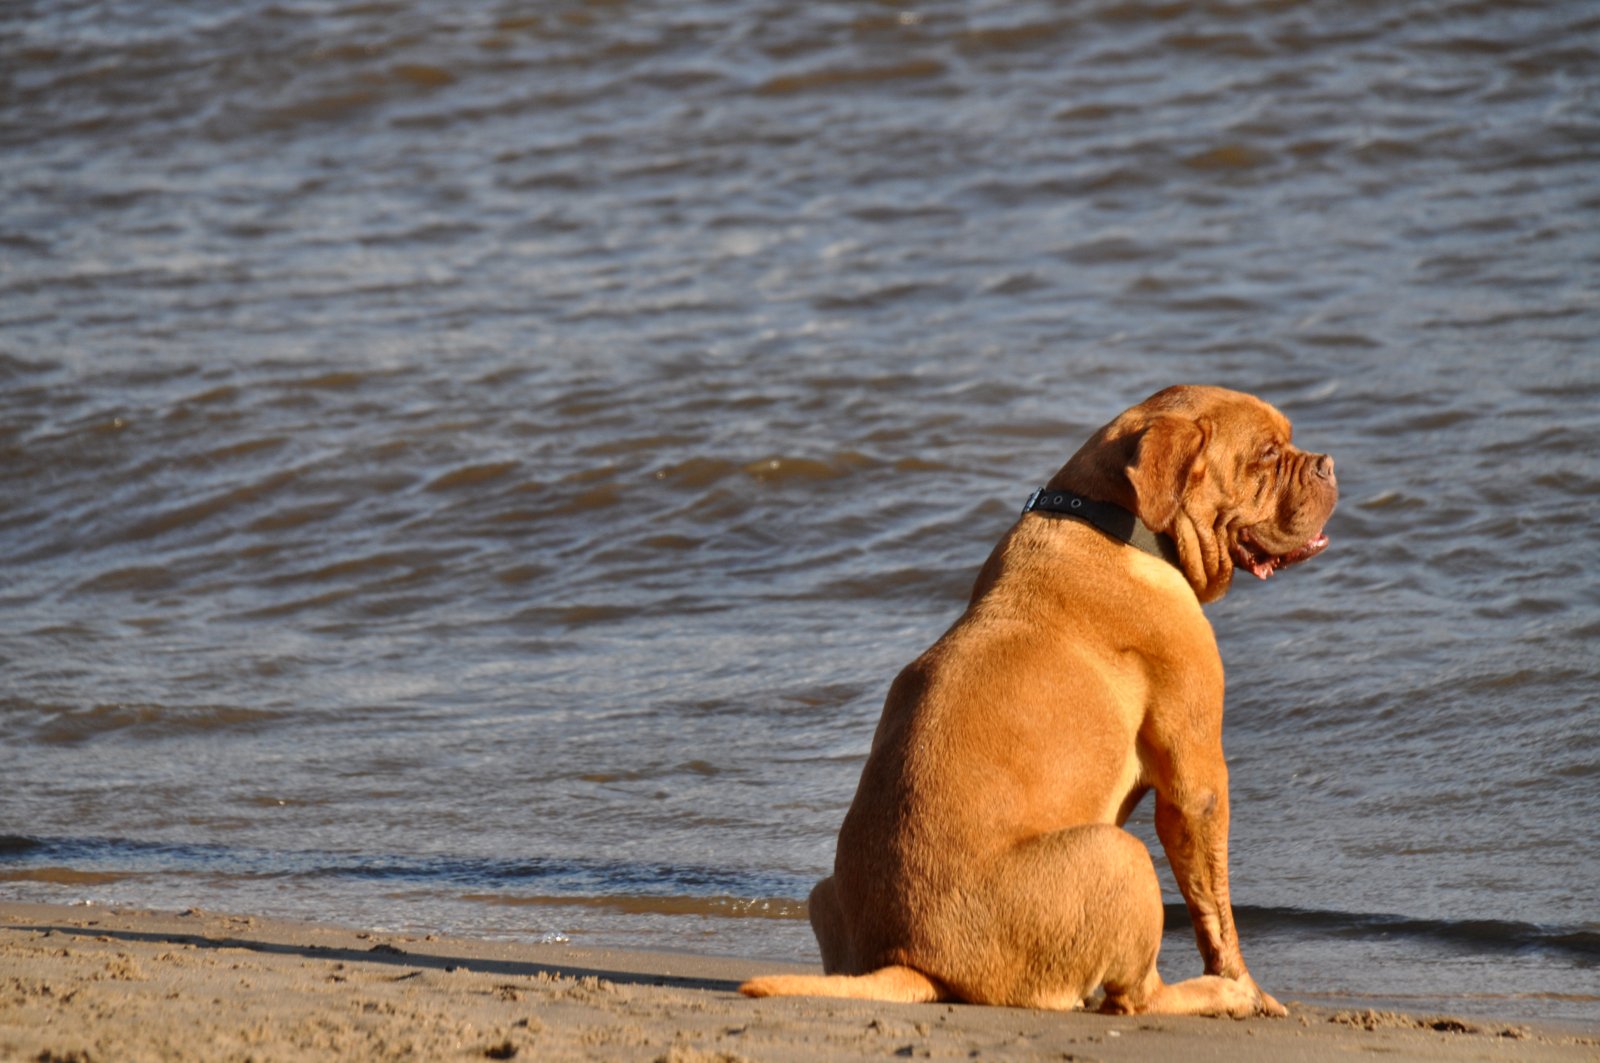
(91, 984)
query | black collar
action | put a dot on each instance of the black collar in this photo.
(1111, 519)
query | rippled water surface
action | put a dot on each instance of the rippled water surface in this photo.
(480, 470)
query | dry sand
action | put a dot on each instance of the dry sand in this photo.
(95, 984)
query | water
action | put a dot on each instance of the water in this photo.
(480, 471)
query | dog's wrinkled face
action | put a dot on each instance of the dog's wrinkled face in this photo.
(1217, 471)
(1275, 498)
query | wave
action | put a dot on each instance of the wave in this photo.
(666, 888)
(26, 721)
(1479, 936)
(715, 906)
(573, 878)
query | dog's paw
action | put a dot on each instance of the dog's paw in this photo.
(1262, 1002)
(1238, 998)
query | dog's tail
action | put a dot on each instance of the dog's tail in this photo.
(899, 985)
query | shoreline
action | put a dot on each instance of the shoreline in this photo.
(89, 983)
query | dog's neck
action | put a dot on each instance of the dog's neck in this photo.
(1112, 519)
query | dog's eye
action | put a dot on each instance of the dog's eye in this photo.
(1270, 453)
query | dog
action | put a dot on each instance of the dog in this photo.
(983, 858)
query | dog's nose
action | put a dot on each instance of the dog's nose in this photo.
(1324, 469)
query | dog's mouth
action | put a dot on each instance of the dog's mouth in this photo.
(1250, 554)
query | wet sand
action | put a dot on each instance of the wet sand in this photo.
(89, 984)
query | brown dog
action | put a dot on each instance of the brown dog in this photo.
(983, 857)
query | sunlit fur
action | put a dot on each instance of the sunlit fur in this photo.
(983, 857)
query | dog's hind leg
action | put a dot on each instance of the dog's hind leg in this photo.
(1207, 995)
(1050, 920)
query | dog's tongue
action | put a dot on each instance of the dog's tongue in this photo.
(1263, 567)
(1263, 564)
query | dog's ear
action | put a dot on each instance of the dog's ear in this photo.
(1168, 461)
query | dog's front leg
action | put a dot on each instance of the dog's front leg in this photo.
(1193, 827)
(1192, 822)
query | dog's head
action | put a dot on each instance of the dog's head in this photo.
(1215, 470)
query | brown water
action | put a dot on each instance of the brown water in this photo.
(480, 471)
